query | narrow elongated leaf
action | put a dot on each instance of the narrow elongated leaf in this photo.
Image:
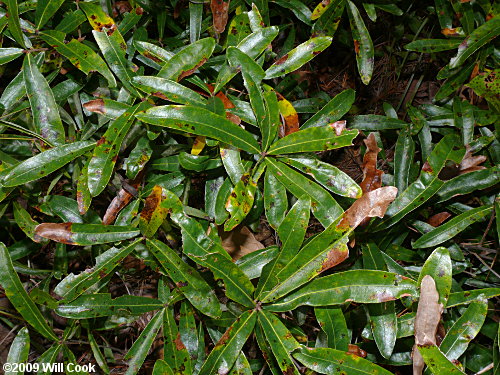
(176, 355)
(403, 159)
(168, 90)
(24, 220)
(16, 294)
(186, 278)
(113, 47)
(438, 266)
(468, 296)
(98, 19)
(478, 38)
(79, 54)
(74, 285)
(433, 45)
(161, 367)
(452, 227)
(200, 122)
(272, 121)
(187, 330)
(43, 104)
(333, 110)
(275, 200)
(14, 21)
(437, 361)
(280, 340)
(314, 139)
(9, 54)
(326, 360)
(361, 286)
(324, 208)
(363, 45)
(225, 352)
(298, 56)
(185, 62)
(45, 163)
(328, 21)
(298, 8)
(139, 350)
(19, 350)
(240, 201)
(101, 304)
(153, 214)
(105, 154)
(84, 234)
(375, 123)
(45, 9)
(332, 322)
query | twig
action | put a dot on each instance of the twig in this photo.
(487, 228)
(483, 370)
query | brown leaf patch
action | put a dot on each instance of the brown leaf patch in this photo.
(240, 241)
(335, 256)
(151, 203)
(471, 163)
(95, 106)
(437, 219)
(356, 350)
(191, 71)
(372, 177)
(220, 10)
(59, 232)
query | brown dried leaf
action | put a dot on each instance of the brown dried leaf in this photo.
(371, 204)
(96, 106)
(290, 117)
(429, 312)
(471, 163)
(220, 9)
(122, 199)
(59, 232)
(372, 177)
(437, 219)
(240, 241)
(356, 350)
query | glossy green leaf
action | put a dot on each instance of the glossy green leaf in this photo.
(101, 304)
(168, 90)
(330, 177)
(79, 54)
(326, 360)
(452, 227)
(19, 350)
(272, 121)
(468, 296)
(375, 123)
(297, 57)
(71, 21)
(332, 111)
(9, 54)
(363, 45)
(84, 234)
(162, 368)
(14, 22)
(139, 350)
(253, 263)
(195, 20)
(74, 285)
(43, 104)
(238, 29)
(432, 45)
(437, 361)
(97, 16)
(102, 163)
(16, 294)
(45, 163)
(361, 286)
(187, 279)
(138, 158)
(333, 323)
(24, 220)
(176, 355)
(200, 122)
(275, 200)
(113, 48)
(469, 182)
(45, 9)
(298, 8)
(438, 265)
(83, 196)
(223, 355)
(153, 214)
(313, 139)
(324, 207)
(478, 38)
(329, 13)
(403, 159)
(280, 340)
(455, 81)
(240, 201)
(187, 330)
(153, 52)
(185, 62)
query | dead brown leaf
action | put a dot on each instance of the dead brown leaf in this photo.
(437, 219)
(429, 312)
(471, 163)
(240, 241)
(372, 177)
(59, 232)
(122, 199)
(220, 9)
(95, 106)
(356, 350)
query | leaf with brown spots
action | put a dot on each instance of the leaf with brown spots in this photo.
(153, 214)
(220, 11)
(290, 116)
(175, 352)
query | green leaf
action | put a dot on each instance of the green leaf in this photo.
(185, 62)
(45, 9)
(375, 123)
(253, 263)
(97, 18)
(225, 352)
(253, 45)
(84, 234)
(437, 361)
(101, 304)
(275, 200)
(468, 296)
(324, 360)
(313, 139)
(464, 330)
(195, 20)
(79, 54)
(360, 286)
(168, 90)
(71, 21)
(45, 163)
(432, 45)
(270, 125)
(324, 207)
(298, 8)
(74, 285)
(238, 29)
(104, 157)
(176, 355)
(96, 351)
(438, 265)
(403, 159)
(16, 294)
(187, 330)
(113, 47)
(297, 57)
(333, 110)
(49, 356)
(240, 201)
(139, 350)
(9, 54)
(455, 81)
(153, 214)
(280, 340)
(43, 104)
(330, 14)
(24, 220)
(363, 45)
(186, 278)
(200, 121)
(19, 350)
(291, 232)
(330, 177)
(333, 323)
(453, 227)
(478, 38)
(14, 22)
(487, 85)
